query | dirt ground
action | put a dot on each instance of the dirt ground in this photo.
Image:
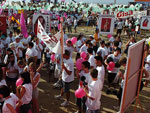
(50, 105)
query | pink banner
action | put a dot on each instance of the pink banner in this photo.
(23, 26)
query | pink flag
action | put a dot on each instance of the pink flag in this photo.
(23, 26)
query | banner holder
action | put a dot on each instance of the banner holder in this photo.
(139, 86)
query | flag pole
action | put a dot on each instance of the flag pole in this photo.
(61, 39)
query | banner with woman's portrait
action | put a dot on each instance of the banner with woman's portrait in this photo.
(106, 24)
(44, 20)
(145, 23)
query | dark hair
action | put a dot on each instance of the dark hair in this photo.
(69, 42)
(94, 73)
(86, 64)
(8, 60)
(88, 41)
(116, 43)
(118, 49)
(102, 42)
(31, 44)
(90, 50)
(26, 77)
(123, 60)
(5, 91)
(99, 58)
(1, 74)
(67, 53)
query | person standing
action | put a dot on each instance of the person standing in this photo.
(67, 77)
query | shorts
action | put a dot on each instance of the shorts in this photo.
(111, 77)
(80, 102)
(11, 79)
(92, 111)
(66, 86)
(38, 61)
(35, 93)
(119, 31)
(25, 108)
(48, 60)
(148, 78)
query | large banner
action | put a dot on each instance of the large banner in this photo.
(145, 23)
(124, 14)
(3, 25)
(106, 24)
(50, 42)
(45, 21)
(140, 14)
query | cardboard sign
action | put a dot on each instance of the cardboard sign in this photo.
(132, 74)
(3, 25)
(145, 22)
(106, 24)
(124, 14)
(45, 21)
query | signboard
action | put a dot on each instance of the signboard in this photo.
(132, 74)
(124, 14)
(140, 14)
(145, 22)
(3, 25)
(106, 24)
(45, 21)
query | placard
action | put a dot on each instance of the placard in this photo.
(132, 74)
(145, 22)
(106, 24)
(45, 21)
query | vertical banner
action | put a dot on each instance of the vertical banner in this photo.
(44, 20)
(145, 23)
(106, 24)
(3, 25)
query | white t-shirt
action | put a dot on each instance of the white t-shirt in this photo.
(83, 48)
(120, 25)
(147, 66)
(78, 45)
(95, 88)
(87, 76)
(11, 68)
(103, 52)
(3, 82)
(17, 45)
(92, 61)
(70, 49)
(31, 53)
(9, 40)
(101, 73)
(27, 97)
(24, 41)
(38, 50)
(70, 66)
(12, 101)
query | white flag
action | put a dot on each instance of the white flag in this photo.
(50, 42)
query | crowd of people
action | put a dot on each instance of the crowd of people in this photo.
(21, 60)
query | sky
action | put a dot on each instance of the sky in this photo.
(103, 1)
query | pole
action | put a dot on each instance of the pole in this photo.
(62, 39)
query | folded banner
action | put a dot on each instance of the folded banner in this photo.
(51, 42)
(23, 26)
